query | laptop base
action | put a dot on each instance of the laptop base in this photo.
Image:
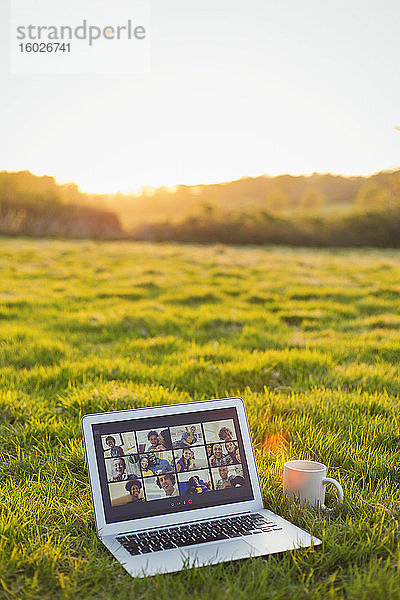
(290, 537)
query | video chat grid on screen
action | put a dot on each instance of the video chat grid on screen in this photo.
(176, 463)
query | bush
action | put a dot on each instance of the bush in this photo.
(377, 228)
(37, 206)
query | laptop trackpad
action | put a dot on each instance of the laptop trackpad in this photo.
(215, 553)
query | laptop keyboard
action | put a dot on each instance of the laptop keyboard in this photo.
(196, 533)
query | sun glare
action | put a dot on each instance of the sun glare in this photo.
(275, 442)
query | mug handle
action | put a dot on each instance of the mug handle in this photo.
(338, 488)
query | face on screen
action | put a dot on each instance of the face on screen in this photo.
(173, 465)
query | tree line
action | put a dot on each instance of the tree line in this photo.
(31, 205)
(320, 210)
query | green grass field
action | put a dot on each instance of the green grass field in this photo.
(309, 338)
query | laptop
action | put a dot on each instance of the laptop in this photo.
(176, 486)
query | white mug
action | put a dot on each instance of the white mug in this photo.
(306, 480)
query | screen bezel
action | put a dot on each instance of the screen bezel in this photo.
(105, 528)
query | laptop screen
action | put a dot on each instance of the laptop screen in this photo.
(172, 463)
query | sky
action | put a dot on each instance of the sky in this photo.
(235, 89)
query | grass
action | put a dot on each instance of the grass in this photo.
(309, 338)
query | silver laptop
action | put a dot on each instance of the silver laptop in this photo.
(177, 486)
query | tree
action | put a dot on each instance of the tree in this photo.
(312, 199)
(394, 185)
(276, 199)
(372, 196)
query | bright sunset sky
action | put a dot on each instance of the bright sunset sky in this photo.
(236, 88)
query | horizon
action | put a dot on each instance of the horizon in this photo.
(208, 183)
